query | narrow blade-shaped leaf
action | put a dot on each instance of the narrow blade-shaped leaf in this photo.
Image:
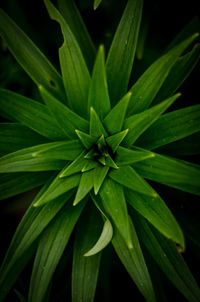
(85, 269)
(89, 165)
(75, 73)
(99, 176)
(148, 85)
(134, 262)
(96, 3)
(98, 93)
(86, 139)
(76, 166)
(67, 120)
(126, 156)
(73, 18)
(138, 123)
(103, 240)
(15, 136)
(122, 51)
(114, 203)
(12, 184)
(48, 254)
(171, 127)
(24, 160)
(179, 72)
(169, 260)
(110, 162)
(172, 172)
(31, 226)
(58, 187)
(30, 57)
(85, 185)
(25, 110)
(96, 127)
(115, 140)
(129, 178)
(115, 118)
(158, 214)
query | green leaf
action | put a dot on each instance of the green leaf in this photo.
(169, 260)
(172, 172)
(171, 127)
(103, 240)
(110, 162)
(14, 136)
(67, 120)
(138, 123)
(66, 150)
(98, 93)
(129, 178)
(75, 74)
(179, 72)
(25, 110)
(115, 140)
(115, 118)
(32, 224)
(76, 166)
(99, 176)
(48, 254)
(85, 269)
(114, 203)
(126, 156)
(12, 184)
(96, 127)
(148, 85)
(86, 139)
(25, 160)
(58, 187)
(134, 262)
(96, 3)
(30, 57)
(158, 214)
(85, 186)
(122, 51)
(89, 165)
(73, 18)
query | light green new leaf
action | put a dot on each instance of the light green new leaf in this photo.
(171, 127)
(115, 140)
(114, 203)
(76, 76)
(179, 72)
(172, 172)
(66, 150)
(169, 260)
(129, 178)
(76, 166)
(148, 85)
(96, 3)
(25, 110)
(85, 269)
(50, 249)
(103, 240)
(15, 136)
(58, 187)
(30, 57)
(115, 118)
(158, 214)
(98, 93)
(25, 160)
(67, 120)
(134, 262)
(85, 186)
(86, 139)
(73, 18)
(99, 176)
(96, 127)
(138, 123)
(122, 51)
(12, 184)
(126, 156)
(30, 227)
